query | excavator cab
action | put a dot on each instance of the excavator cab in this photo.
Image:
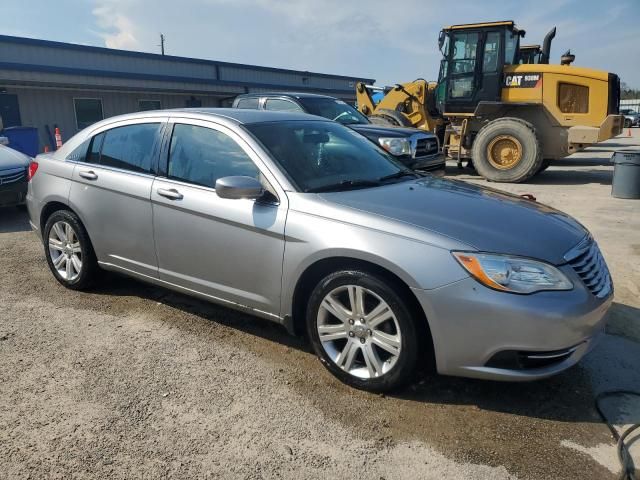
(474, 56)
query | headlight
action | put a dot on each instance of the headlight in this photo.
(396, 146)
(512, 274)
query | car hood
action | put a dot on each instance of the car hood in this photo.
(484, 218)
(381, 131)
(10, 158)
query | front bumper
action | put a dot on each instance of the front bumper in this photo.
(13, 193)
(472, 326)
(435, 161)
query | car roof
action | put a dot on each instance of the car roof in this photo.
(231, 115)
(286, 94)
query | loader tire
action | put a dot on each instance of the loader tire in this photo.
(390, 118)
(507, 150)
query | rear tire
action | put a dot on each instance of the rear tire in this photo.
(364, 349)
(390, 118)
(507, 150)
(69, 252)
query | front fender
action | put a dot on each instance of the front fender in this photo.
(418, 264)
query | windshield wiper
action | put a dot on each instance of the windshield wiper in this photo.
(344, 185)
(399, 174)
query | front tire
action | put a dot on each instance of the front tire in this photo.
(362, 331)
(69, 252)
(507, 150)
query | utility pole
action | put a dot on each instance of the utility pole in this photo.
(161, 43)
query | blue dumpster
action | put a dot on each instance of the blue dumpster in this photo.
(23, 139)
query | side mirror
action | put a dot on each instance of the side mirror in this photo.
(237, 187)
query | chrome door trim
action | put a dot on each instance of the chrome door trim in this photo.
(173, 286)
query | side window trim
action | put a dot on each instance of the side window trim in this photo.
(155, 150)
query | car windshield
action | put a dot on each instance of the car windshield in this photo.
(325, 156)
(333, 109)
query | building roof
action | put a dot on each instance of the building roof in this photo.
(167, 59)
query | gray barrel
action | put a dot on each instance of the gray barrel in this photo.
(626, 175)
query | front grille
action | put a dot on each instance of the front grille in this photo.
(426, 146)
(590, 266)
(12, 176)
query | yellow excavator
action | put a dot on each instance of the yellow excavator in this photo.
(501, 106)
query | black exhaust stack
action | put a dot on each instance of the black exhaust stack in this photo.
(546, 46)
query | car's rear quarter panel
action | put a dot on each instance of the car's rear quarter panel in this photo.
(51, 183)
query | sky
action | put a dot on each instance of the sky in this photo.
(391, 42)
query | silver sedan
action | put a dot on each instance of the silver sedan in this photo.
(304, 222)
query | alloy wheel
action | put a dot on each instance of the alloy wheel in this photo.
(359, 331)
(65, 251)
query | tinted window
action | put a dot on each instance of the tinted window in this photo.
(251, 103)
(511, 47)
(491, 52)
(130, 147)
(464, 52)
(93, 156)
(281, 105)
(333, 109)
(88, 111)
(201, 155)
(319, 154)
(79, 154)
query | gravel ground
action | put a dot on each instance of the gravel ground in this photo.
(133, 381)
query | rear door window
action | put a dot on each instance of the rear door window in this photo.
(248, 103)
(93, 155)
(281, 105)
(130, 147)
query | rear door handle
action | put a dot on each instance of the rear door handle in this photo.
(171, 194)
(89, 175)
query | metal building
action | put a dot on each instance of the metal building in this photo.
(45, 84)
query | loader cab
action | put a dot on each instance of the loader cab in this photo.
(474, 56)
(530, 54)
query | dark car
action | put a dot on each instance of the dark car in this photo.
(14, 168)
(415, 148)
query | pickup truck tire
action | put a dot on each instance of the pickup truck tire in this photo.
(507, 150)
(389, 118)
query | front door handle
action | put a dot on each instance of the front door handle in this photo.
(171, 194)
(89, 175)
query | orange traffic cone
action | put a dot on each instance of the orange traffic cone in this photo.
(58, 138)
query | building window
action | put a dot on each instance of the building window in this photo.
(88, 111)
(146, 105)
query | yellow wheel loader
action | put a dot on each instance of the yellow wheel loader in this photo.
(502, 106)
